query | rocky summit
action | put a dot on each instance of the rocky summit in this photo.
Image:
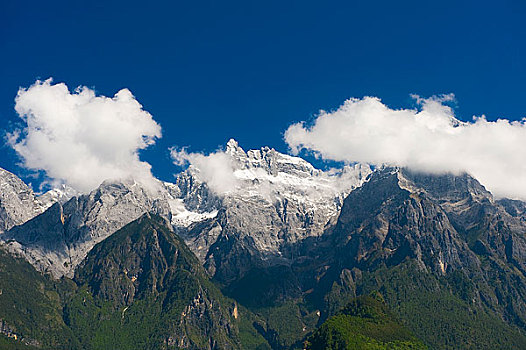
(279, 201)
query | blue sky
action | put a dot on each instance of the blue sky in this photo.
(208, 71)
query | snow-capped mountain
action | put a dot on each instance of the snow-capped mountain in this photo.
(287, 232)
(279, 199)
(268, 176)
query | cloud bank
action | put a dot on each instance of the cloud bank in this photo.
(81, 139)
(428, 139)
(216, 169)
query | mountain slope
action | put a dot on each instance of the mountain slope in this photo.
(31, 308)
(60, 238)
(143, 288)
(410, 236)
(140, 288)
(364, 323)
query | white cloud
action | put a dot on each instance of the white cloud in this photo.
(429, 139)
(82, 139)
(216, 169)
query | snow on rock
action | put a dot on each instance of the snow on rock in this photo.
(278, 200)
(183, 217)
(61, 194)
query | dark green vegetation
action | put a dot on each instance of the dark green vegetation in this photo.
(441, 310)
(139, 289)
(31, 308)
(365, 323)
(12, 344)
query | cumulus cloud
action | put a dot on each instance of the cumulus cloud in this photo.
(216, 169)
(428, 138)
(81, 139)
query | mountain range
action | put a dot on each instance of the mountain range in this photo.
(286, 258)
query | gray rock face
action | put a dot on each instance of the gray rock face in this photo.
(397, 214)
(514, 207)
(59, 239)
(489, 227)
(447, 224)
(60, 194)
(279, 200)
(18, 203)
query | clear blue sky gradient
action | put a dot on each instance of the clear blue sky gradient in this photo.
(211, 70)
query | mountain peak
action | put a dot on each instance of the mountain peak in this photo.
(232, 148)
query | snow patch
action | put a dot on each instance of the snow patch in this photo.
(183, 217)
